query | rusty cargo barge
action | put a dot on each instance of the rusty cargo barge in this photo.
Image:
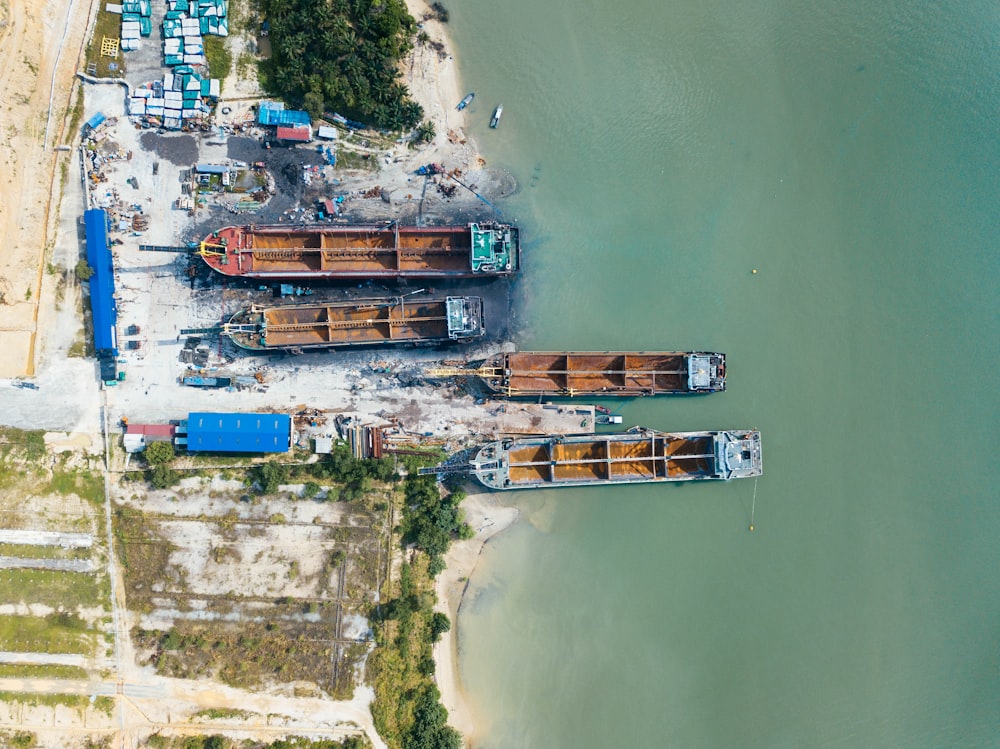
(609, 373)
(636, 456)
(358, 323)
(316, 253)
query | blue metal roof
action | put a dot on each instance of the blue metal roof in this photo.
(274, 113)
(94, 121)
(238, 433)
(102, 282)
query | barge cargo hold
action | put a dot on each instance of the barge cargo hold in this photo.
(529, 373)
(636, 456)
(284, 253)
(360, 322)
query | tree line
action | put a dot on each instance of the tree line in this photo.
(341, 55)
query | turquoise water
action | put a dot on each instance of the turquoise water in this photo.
(848, 151)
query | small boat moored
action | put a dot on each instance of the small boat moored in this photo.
(466, 101)
(496, 116)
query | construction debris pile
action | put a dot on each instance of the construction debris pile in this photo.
(100, 156)
(236, 185)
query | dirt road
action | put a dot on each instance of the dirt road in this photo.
(152, 702)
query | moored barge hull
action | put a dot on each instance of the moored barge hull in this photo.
(636, 456)
(316, 253)
(609, 373)
(358, 323)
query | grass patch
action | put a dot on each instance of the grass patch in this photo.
(365, 138)
(142, 553)
(75, 117)
(108, 25)
(39, 671)
(243, 17)
(18, 739)
(250, 656)
(24, 444)
(79, 701)
(218, 57)
(216, 741)
(51, 587)
(245, 63)
(55, 633)
(86, 485)
(21, 454)
(224, 713)
(347, 159)
(38, 551)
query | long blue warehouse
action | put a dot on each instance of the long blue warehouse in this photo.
(102, 283)
(238, 433)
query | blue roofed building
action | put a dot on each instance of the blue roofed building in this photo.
(102, 290)
(93, 122)
(271, 113)
(238, 433)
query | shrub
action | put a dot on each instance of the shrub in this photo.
(22, 740)
(158, 453)
(435, 566)
(438, 625)
(425, 132)
(429, 520)
(162, 476)
(430, 729)
(270, 476)
(83, 270)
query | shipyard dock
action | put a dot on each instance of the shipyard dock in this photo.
(316, 253)
(636, 456)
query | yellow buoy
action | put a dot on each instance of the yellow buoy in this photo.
(754, 271)
(751, 527)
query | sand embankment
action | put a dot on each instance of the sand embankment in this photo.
(40, 47)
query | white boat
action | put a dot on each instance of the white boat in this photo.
(496, 115)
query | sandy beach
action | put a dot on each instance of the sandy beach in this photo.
(434, 82)
(489, 518)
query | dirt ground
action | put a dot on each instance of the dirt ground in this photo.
(221, 566)
(39, 47)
